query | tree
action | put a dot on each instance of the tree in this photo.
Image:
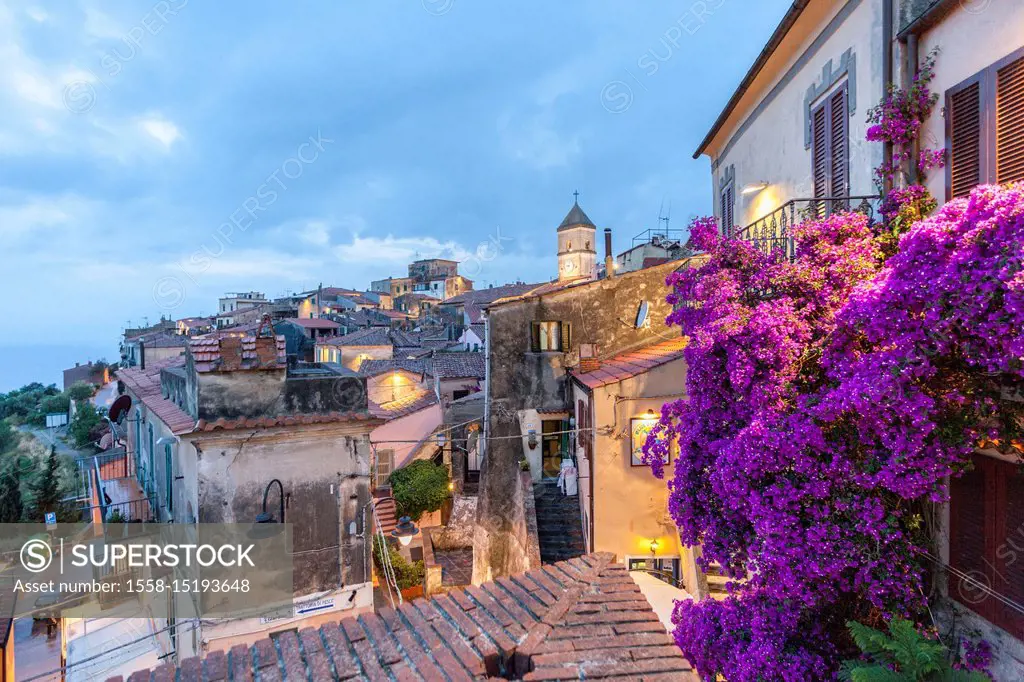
(46, 488)
(86, 419)
(80, 390)
(419, 488)
(11, 506)
(8, 438)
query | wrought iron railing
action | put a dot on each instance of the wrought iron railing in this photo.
(773, 232)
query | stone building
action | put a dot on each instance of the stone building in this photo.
(208, 432)
(535, 340)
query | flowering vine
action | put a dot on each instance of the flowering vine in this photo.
(829, 398)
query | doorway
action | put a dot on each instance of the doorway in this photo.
(551, 447)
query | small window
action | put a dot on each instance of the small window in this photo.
(830, 150)
(550, 337)
(385, 465)
(728, 209)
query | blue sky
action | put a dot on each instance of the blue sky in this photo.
(156, 155)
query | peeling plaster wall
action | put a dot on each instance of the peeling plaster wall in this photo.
(325, 471)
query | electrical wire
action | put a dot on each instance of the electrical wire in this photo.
(1005, 600)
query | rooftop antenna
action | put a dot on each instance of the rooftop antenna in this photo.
(662, 218)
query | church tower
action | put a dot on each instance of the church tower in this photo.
(577, 246)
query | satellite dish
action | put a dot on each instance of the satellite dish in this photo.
(120, 408)
(641, 315)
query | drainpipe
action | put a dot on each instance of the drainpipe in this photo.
(887, 69)
(142, 355)
(609, 260)
(912, 70)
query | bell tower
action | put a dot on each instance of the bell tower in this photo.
(577, 248)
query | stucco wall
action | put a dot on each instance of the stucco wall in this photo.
(415, 427)
(769, 144)
(353, 356)
(325, 472)
(971, 38)
(630, 504)
(392, 386)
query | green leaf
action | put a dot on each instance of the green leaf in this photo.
(877, 673)
(871, 641)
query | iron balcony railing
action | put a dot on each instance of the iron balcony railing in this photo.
(773, 232)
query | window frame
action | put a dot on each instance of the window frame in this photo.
(825, 103)
(987, 79)
(727, 200)
(562, 334)
(377, 467)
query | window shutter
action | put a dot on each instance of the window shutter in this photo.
(1009, 557)
(1010, 123)
(535, 337)
(965, 127)
(566, 329)
(819, 154)
(728, 210)
(839, 119)
(967, 538)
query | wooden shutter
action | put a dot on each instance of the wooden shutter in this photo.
(535, 337)
(1009, 557)
(839, 149)
(728, 209)
(964, 135)
(566, 331)
(1010, 123)
(819, 153)
(967, 537)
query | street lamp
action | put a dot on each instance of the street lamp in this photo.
(265, 516)
(405, 531)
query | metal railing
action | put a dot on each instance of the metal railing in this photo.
(773, 232)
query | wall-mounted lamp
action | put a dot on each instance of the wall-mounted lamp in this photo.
(754, 188)
(654, 547)
(531, 438)
(649, 415)
(441, 440)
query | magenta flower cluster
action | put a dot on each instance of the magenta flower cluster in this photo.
(827, 397)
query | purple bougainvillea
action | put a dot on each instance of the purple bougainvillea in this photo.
(829, 398)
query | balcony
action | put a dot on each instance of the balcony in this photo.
(773, 232)
(114, 489)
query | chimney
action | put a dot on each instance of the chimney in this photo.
(609, 260)
(142, 355)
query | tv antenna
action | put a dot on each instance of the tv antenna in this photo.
(663, 217)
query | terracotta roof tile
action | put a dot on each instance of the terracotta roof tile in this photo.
(313, 323)
(633, 363)
(584, 619)
(144, 384)
(466, 365)
(405, 406)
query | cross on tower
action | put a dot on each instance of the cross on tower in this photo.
(576, 195)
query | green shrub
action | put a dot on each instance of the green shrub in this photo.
(902, 655)
(80, 390)
(407, 574)
(419, 488)
(86, 419)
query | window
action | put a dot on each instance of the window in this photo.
(385, 465)
(830, 149)
(550, 337)
(985, 127)
(986, 541)
(169, 477)
(728, 208)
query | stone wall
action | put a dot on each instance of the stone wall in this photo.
(508, 544)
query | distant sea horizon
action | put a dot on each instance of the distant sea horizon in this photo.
(21, 365)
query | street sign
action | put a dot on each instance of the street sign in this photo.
(51, 520)
(55, 420)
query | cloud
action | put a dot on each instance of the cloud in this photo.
(399, 250)
(160, 129)
(36, 14)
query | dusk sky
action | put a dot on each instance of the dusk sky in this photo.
(158, 155)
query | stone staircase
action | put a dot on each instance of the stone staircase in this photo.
(717, 581)
(559, 527)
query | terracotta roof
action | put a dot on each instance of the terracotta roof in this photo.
(162, 340)
(313, 322)
(372, 368)
(281, 420)
(652, 261)
(373, 336)
(145, 385)
(394, 314)
(582, 619)
(481, 296)
(232, 353)
(466, 365)
(405, 406)
(633, 363)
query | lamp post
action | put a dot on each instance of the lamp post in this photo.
(265, 516)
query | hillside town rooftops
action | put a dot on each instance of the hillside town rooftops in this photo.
(585, 618)
(404, 406)
(233, 353)
(373, 368)
(458, 365)
(313, 323)
(373, 336)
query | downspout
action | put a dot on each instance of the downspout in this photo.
(887, 72)
(912, 71)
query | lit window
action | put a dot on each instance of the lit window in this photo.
(385, 464)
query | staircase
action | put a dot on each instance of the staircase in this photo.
(559, 527)
(717, 581)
